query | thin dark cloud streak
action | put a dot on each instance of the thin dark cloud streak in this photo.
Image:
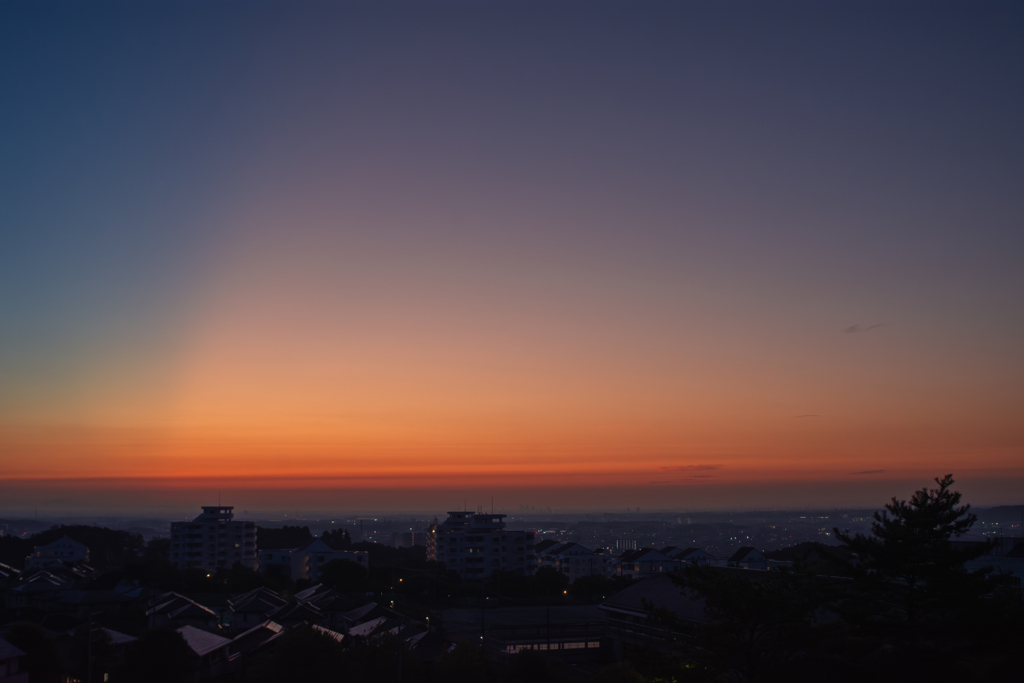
(854, 329)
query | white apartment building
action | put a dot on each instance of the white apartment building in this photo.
(307, 561)
(213, 540)
(476, 545)
(62, 550)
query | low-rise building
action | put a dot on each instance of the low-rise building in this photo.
(60, 551)
(306, 562)
(645, 563)
(690, 555)
(748, 557)
(475, 545)
(13, 663)
(213, 540)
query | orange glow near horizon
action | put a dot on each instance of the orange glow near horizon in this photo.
(292, 374)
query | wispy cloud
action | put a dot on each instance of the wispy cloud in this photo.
(662, 482)
(853, 329)
(688, 468)
(869, 472)
(806, 415)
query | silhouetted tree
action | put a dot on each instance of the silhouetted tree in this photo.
(283, 538)
(338, 539)
(908, 563)
(757, 624)
(344, 576)
(467, 662)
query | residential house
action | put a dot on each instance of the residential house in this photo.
(689, 555)
(13, 663)
(645, 563)
(748, 557)
(63, 550)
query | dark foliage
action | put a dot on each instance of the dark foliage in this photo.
(284, 538)
(893, 606)
(36, 643)
(337, 539)
(344, 576)
(908, 565)
(158, 656)
(107, 547)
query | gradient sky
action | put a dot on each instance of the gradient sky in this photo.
(395, 255)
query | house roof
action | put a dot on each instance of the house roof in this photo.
(257, 600)
(360, 612)
(202, 642)
(367, 627)
(8, 651)
(256, 637)
(118, 638)
(62, 540)
(177, 606)
(742, 553)
(295, 612)
(544, 545)
(328, 632)
(571, 548)
(662, 593)
(304, 595)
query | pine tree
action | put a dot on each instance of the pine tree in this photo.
(909, 560)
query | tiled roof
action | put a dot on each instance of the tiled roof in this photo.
(202, 642)
(544, 545)
(662, 593)
(328, 632)
(635, 555)
(308, 593)
(256, 637)
(742, 553)
(117, 638)
(368, 627)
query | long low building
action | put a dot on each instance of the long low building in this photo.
(307, 562)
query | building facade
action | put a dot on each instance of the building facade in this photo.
(213, 540)
(60, 551)
(307, 561)
(476, 545)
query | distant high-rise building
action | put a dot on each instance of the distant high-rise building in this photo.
(476, 545)
(213, 540)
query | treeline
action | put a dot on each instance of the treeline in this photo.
(107, 547)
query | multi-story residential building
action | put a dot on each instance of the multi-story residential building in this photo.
(213, 540)
(476, 545)
(307, 561)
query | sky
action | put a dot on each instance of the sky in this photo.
(377, 255)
